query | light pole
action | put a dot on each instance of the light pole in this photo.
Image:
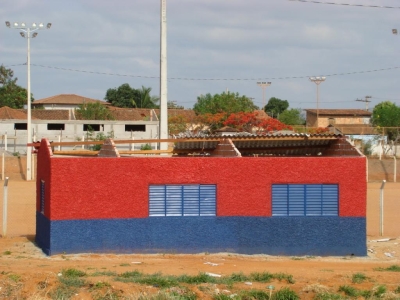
(28, 32)
(317, 80)
(263, 85)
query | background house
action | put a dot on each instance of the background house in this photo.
(338, 118)
(64, 101)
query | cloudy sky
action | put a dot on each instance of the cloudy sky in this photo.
(213, 46)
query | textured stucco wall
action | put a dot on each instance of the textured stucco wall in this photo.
(92, 197)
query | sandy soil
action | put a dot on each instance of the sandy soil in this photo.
(26, 273)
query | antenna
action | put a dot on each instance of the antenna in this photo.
(366, 101)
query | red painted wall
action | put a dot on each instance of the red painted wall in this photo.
(106, 188)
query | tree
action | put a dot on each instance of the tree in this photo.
(226, 102)
(94, 111)
(146, 100)
(387, 114)
(123, 96)
(276, 106)
(251, 121)
(292, 117)
(11, 94)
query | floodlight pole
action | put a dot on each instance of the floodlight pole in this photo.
(163, 77)
(317, 80)
(263, 85)
(26, 32)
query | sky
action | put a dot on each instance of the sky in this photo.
(213, 46)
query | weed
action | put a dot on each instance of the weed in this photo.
(297, 258)
(359, 278)
(261, 277)
(124, 265)
(253, 294)
(379, 290)
(349, 290)
(285, 294)
(72, 281)
(284, 276)
(328, 296)
(104, 273)
(62, 292)
(14, 277)
(397, 290)
(7, 252)
(238, 277)
(393, 268)
(201, 278)
(222, 297)
(73, 273)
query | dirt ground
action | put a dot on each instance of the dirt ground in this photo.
(26, 273)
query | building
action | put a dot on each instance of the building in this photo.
(338, 117)
(296, 194)
(64, 101)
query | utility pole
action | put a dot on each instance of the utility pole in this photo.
(366, 101)
(263, 85)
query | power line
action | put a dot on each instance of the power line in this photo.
(212, 79)
(346, 4)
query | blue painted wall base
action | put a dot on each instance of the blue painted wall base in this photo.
(323, 236)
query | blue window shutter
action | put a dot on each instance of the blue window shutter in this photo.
(330, 200)
(157, 198)
(313, 199)
(296, 200)
(174, 200)
(191, 200)
(207, 201)
(279, 199)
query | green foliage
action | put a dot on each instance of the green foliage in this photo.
(366, 147)
(261, 277)
(73, 273)
(397, 290)
(7, 252)
(11, 94)
(329, 296)
(73, 281)
(100, 136)
(379, 290)
(387, 114)
(253, 294)
(292, 117)
(146, 147)
(276, 106)
(94, 111)
(125, 96)
(349, 290)
(392, 268)
(358, 278)
(285, 294)
(226, 103)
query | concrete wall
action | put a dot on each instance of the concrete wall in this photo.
(102, 205)
(17, 139)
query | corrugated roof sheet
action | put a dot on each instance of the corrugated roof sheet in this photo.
(295, 144)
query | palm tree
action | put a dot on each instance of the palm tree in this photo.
(147, 101)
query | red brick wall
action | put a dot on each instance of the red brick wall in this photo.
(106, 188)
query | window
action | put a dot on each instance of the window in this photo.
(21, 126)
(91, 127)
(305, 200)
(182, 200)
(132, 127)
(56, 126)
(42, 189)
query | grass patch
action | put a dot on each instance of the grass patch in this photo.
(393, 268)
(329, 296)
(14, 277)
(7, 252)
(349, 290)
(73, 273)
(253, 294)
(73, 281)
(104, 273)
(397, 290)
(358, 278)
(379, 290)
(285, 294)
